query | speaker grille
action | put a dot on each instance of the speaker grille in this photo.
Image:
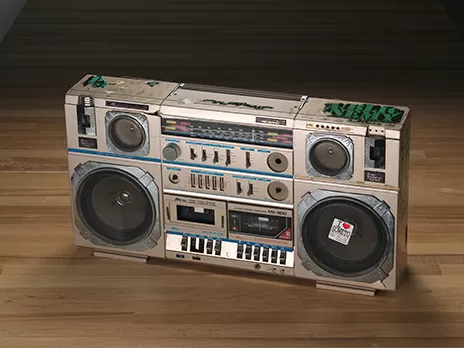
(366, 248)
(329, 157)
(126, 133)
(115, 207)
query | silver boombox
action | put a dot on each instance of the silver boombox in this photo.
(282, 184)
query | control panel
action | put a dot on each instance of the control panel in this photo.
(257, 187)
(197, 246)
(215, 155)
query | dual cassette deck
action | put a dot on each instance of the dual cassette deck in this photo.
(283, 184)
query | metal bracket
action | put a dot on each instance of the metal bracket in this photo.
(345, 289)
(117, 256)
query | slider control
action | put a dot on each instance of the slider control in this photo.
(239, 187)
(193, 155)
(247, 159)
(203, 155)
(250, 189)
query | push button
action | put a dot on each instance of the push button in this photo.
(248, 252)
(201, 245)
(256, 253)
(265, 255)
(274, 256)
(217, 248)
(283, 257)
(239, 251)
(183, 243)
(209, 246)
(193, 244)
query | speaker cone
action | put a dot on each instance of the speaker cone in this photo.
(115, 207)
(329, 157)
(126, 133)
(365, 249)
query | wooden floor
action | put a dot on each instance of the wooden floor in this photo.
(55, 295)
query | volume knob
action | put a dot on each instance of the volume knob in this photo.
(171, 152)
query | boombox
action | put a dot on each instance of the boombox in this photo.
(282, 184)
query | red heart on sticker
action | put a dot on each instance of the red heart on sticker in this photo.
(346, 226)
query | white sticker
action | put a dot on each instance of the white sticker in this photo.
(341, 231)
(198, 210)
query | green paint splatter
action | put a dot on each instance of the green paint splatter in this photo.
(152, 83)
(365, 113)
(256, 107)
(96, 82)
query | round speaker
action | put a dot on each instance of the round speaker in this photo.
(329, 157)
(126, 133)
(345, 237)
(115, 207)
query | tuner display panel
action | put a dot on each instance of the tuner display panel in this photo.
(244, 134)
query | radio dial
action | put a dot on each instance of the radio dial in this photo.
(171, 152)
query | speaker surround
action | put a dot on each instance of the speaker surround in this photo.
(127, 133)
(329, 155)
(366, 256)
(116, 205)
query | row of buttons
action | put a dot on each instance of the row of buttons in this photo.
(254, 252)
(207, 182)
(197, 245)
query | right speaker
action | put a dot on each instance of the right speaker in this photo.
(351, 194)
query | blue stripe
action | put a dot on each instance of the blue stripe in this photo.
(109, 154)
(228, 169)
(232, 240)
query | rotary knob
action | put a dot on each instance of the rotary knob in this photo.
(171, 152)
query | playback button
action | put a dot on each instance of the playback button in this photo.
(217, 248)
(193, 246)
(274, 256)
(209, 246)
(201, 245)
(283, 257)
(256, 253)
(265, 255)
(248, 252)
(239, 251)
(183, 243)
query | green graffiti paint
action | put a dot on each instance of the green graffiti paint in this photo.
(152, 83)
(96, 82)
(256, 107)
(366, 113)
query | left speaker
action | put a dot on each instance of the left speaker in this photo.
(114, 165)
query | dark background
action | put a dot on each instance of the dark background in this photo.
(455, 9)
(384, 50)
